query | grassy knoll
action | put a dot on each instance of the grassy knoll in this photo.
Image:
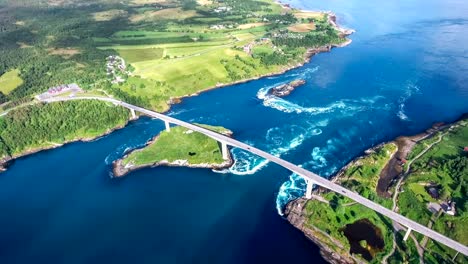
(179, 144)
(444, 166)
(360, 176)
(45, 125)
(9, 81)
(332, 217)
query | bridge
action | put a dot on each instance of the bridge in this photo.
(310, 177)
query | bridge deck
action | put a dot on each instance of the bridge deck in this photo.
(296, 169)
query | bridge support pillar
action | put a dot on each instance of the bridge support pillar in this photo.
(224, 150)
(310, 186)
(408, 232)
(133, 113)
(168, 126)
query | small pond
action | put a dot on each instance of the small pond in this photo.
(364, 238)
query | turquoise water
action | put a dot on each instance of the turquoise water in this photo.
(405, 69)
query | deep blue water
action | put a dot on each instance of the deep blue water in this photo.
(406, 69)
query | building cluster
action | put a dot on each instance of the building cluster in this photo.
(249, 47)
(288, 35)
(221, 26)
(448, 206)
(116, 68)
(222, 9)
(58, 90)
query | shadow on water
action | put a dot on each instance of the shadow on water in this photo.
(364, 238)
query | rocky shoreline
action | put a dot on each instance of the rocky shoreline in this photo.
(6, 161)
(120, 170)
(295, 215)
(286, 89)
(294, 210)
(307, 57)
(176, 100)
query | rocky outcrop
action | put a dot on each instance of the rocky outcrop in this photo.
(120, 170)
(286, 89)
(295, 215)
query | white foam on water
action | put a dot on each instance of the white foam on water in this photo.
(345, 106)
(289, 107)
(296, 186)
(410, 90)
(306, 73)
(401, 113)
(316, 131)
(246, 163)
(120, 151)
(178, 112)
(278, 142)
(289, 190)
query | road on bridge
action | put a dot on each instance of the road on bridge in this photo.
(316, 179)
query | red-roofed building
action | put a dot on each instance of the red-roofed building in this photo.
(465, 149)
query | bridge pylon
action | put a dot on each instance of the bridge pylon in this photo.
(168, 126)
(408, 232)
(310, 185)
(133, 113)
(224, 150)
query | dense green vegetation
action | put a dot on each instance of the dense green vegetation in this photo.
(324, 34)
(175, 47)
(180, 144)
(172, 48)
(361, 176)
(46, 125)
(445, 166)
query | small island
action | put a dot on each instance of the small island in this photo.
(286, 89)
(197, 46)
(423, 177)
(179, 147)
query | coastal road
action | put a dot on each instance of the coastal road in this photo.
(316, 179)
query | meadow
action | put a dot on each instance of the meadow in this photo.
(331, 217)
(193, 147)
(444, 165)
(9, 81)
(173, 48)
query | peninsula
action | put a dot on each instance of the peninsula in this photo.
(423, 177)
(147, 53)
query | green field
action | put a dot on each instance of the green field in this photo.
(138, 55)
(172, 48)
(445, 165)
(364, 174)
(179, 144)
(10, 81)
(361, 176)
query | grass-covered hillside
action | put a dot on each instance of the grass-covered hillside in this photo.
(438, 175)
(171, 48)
(179, 144)
(334, 212)
(41, 126)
